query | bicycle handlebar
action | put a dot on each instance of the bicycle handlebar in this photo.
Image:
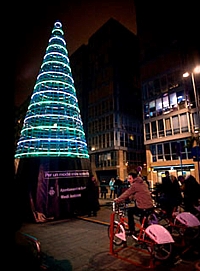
(117, 206)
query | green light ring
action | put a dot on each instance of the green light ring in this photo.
(57, 62)
(48, 127)
(58, 29)
(51, 140)
(52, 81)
(56, 46)
(54, 102)
(57, 73)
(69, 95)
(56, 53)
(51, 40)
(53, 87)
(56, 79)
(53, 115)
(64, 154)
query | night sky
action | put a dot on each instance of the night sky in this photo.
(34, 22)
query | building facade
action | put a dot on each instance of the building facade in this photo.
(113, 111)
(168, 48)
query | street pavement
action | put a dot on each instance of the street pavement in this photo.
(82, 244)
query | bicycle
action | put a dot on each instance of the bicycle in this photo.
(183, 224)
(154, 238)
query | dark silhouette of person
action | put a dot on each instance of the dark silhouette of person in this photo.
(191, 194)
(103, 189)
(171, 196)
(92, 196)
(118, 186)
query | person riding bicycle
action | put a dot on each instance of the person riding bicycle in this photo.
(139, 192)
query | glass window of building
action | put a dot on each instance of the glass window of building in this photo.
(154, 129)
(147, 131)
(159, 106)
(168, 126)
(160, 152)
(152, 108)
(175, 124)
(160, 128)
(173, 101)
(174, 150)
(184, 123)
(153, 152)
(180, 96)
(165, 103)
(146, 110)
(167, 151)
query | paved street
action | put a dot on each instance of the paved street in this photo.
(82, 244)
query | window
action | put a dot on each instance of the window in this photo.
(184, 123)
(167, 151)
(180, 96)
(170, 151)
(152, 108)
(153, 152)
(168, 126)
(147, 131)
(146, 111)
(174, 150)
(160, 151)
(165, 103)
(160, 128)
(153, 129)
(173, 101)
(176, 126)
(159, 106)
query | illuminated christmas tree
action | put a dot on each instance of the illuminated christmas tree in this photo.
(53, 161)
(52, 126)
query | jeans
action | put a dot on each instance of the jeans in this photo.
(138, 212)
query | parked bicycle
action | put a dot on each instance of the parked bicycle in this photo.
(154, 238)
(184, 224)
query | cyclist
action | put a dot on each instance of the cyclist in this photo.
(139, 192)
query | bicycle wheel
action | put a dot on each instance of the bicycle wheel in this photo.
(189, 233)
(160, 252)
(117, 229)
(163, 252)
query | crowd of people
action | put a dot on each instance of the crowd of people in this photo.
(179, 191)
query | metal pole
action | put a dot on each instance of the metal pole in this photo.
(196, 99)
(198, 118)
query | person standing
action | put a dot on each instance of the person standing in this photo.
(112, 187)
(139, 192)
(103, 189)
(118, 186)
(191, 194)
(92, 196)
(171, 196)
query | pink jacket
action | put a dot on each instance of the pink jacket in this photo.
(139, 192)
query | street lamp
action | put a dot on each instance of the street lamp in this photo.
(196, 97)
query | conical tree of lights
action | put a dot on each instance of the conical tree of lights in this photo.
(52, 126)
